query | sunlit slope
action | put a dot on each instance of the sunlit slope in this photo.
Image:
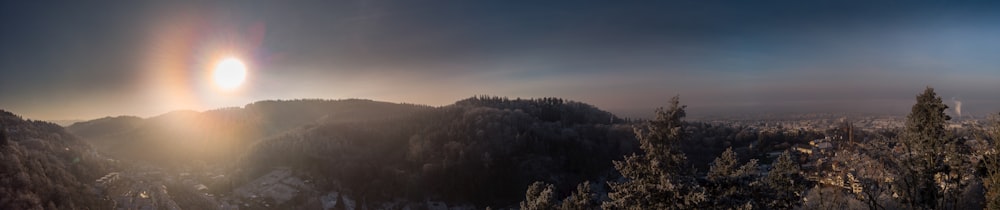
(44, 167)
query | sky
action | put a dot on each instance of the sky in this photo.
(85, 60)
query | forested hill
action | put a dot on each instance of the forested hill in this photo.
(547, 109)
(44, 167)
(217, 134)
(482, 150)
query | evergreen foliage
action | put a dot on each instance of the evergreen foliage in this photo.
(657, 179)
(583, 198)
(731, 186)
(932, 163)
(539, 196)
(784, 183)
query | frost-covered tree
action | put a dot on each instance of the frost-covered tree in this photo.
(829, 197)
(582, 199)
(539, 197)
(731, 186)
(785, 183)
(932, 162)
(991, 181)
(872, 171)
(657, 179)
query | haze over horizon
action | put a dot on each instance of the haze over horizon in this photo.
(85, 60)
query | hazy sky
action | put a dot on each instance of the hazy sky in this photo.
(85, 59)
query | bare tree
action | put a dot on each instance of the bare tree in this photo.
(991, 180)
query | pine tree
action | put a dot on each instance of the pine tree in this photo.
(539, 196)
(785, 183)
(582, 199)
(932, 163)
(723, 166)
(658, 178)
(729, 186)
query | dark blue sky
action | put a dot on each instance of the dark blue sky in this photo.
(79, 60)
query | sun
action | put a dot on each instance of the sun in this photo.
(229, 73)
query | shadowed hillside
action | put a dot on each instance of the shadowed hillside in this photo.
(481, 150)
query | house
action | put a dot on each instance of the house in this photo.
(803, 149)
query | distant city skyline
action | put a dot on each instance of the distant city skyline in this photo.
(85, 60)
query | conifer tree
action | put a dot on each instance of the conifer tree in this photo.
(932, 162)
(582, 199)
(729, 186)
(785, 183)
(539, 196)
(658, 178)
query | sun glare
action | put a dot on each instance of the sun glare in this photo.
(229, 74)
